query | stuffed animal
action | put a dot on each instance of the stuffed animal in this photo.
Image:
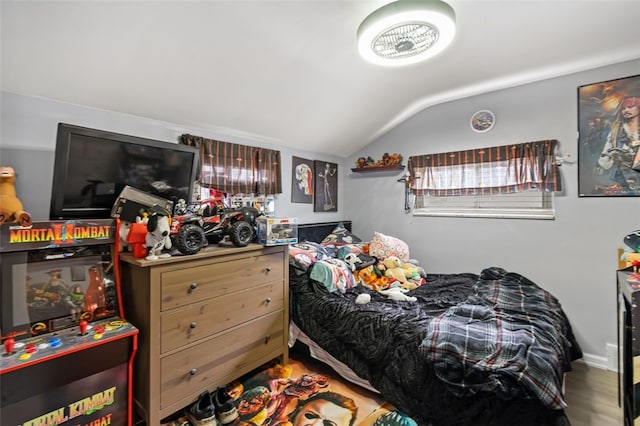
(368, 277)
(411, 271)
(397, 293)
(11, 209)
(352, 260)
(123, 231)
(363, 299)
(393, 269)
(157, 238)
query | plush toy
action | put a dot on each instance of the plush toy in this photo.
(363, 299)
(415, 264)
(397, 293)
(368, 277)
(11, 209)
(352, 260)
(412, 272)
(393, 269)
(123, 231)
(157, 238)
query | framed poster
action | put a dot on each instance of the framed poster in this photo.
(326, 187)
(301, 180)
(609, 138)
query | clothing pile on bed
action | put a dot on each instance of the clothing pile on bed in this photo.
(342, 260)
(483, 349)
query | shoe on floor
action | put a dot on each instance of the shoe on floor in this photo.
(202, 412)
(225, 406)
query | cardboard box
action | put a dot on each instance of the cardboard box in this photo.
(274, 231)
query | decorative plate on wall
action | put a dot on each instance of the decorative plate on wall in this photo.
(482, 121)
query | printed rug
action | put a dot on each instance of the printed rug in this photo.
(306, 392)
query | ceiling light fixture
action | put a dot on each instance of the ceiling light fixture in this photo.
(405, 32)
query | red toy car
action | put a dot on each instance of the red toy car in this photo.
(208, 222)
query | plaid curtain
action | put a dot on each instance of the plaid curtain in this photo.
(235, 168)
(487, 171)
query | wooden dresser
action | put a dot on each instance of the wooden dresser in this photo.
(204, 320)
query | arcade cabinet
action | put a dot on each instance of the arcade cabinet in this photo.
(67, 352)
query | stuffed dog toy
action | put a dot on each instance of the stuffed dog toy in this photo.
(157, 238)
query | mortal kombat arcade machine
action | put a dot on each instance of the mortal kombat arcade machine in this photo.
(67, 350)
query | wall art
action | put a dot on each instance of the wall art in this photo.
(609, 138)
(302, 181)
(326, 187)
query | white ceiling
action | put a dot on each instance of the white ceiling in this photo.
(287, 72)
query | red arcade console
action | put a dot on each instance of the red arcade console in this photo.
(67, 352)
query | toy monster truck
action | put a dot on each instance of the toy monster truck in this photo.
(195, 229)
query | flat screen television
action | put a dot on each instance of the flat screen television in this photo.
(91, 168)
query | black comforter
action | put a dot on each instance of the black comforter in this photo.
(487, 349)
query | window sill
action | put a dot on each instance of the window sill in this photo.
(490, 214)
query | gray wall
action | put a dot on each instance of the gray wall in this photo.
(573, 256)
(28, 139)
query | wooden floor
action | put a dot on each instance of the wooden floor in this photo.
(592, 396)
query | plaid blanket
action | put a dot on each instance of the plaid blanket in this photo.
(508, 337)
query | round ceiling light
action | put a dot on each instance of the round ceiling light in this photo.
(405, 32)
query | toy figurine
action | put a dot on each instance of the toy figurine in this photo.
(11, 209)
(157, 238)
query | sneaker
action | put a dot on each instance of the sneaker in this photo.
(225, 406)
(202, 412)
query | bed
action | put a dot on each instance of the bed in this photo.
(483, 348)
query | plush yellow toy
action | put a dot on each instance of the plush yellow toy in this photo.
(393, 269)
(11, 209)
(410, 271)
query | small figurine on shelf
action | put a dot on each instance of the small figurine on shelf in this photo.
(385, 160)
(395, 159)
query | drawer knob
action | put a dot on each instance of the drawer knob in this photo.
(192, 325)
(192, 372)
(193, 286)
(267, 269)
(267, 300)
(267, 338)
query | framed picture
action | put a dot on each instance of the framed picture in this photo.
(302, 180)
(609, 138)
(482, 121)
(326, 188)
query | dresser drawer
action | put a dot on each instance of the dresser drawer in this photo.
(181, 287)
(198, 321)
(219, 360)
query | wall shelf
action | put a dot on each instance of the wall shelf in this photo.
(377, 168)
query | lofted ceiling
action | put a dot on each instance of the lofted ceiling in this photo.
(287, 72)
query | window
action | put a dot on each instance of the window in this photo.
(528, 204)
(235, 168)
(512, 181)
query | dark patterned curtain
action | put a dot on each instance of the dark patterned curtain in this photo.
(235, 168)
(487, 171)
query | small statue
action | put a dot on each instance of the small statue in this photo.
(11, 209)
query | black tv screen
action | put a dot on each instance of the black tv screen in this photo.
(93, 166)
